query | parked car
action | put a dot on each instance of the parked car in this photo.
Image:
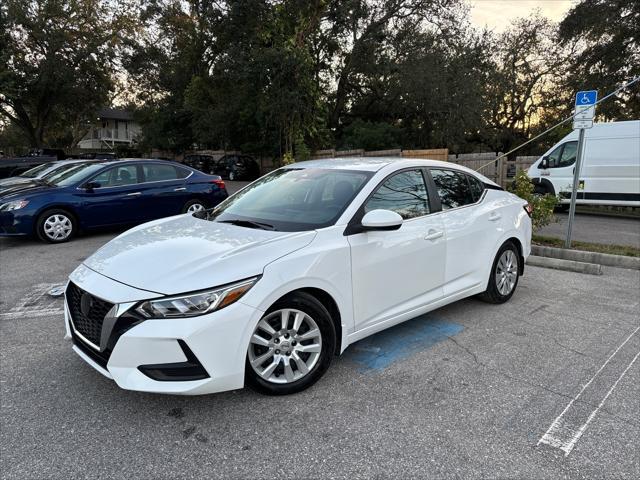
(231, 167)
(267, 287)
(98, 156)
(609, 171)
(41, 172)
(13, 166)
(202, 162)
(107, 193)
(237, 167)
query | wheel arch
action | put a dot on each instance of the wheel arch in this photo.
(546, 184)
(56, 206)
(516, 241)
(327, 300)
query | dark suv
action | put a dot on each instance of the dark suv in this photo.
(232, 167)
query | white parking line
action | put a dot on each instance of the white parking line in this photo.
(36, 303)
(562, 434)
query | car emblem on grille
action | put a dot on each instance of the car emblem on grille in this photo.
(86, 301)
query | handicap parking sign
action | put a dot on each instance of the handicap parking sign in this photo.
(586, 98)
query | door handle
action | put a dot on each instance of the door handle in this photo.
(181, 189)
(433, 234)
(494, 217)
(134, 194)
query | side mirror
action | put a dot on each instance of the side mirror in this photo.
(381, 220)
(90, 186)
(544, 163)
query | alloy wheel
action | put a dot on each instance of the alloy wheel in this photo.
(507, 272)
(285, 346)
(196, 207)
(58, 227)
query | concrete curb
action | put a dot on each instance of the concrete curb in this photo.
(588, 257)
(568, 265)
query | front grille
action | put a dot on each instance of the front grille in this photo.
(89, 323)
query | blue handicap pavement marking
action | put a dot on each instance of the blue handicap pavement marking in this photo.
(398, 343)
(587, 97)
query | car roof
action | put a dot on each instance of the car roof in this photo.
(369, 164)
(120, 161)
(374, 164)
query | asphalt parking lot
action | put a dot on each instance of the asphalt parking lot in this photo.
(469, 390)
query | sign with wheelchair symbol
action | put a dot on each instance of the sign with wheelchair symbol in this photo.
(585, 109)
(586, 98)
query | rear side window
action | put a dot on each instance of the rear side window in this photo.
(404, 193)
(476, 188)
(159, 173)
(454, 189)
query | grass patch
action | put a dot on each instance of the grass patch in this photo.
(626, 250)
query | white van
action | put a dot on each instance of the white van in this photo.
(610, 168)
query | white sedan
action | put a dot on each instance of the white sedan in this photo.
(267, 287)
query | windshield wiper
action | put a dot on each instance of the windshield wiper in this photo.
(249, 224)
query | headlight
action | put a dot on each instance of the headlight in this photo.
(197, 303)
(15, 205)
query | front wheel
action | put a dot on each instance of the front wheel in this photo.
(232, 175)
(291, 347)
(504, 275)
(56, 226)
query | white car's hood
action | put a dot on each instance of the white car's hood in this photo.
(183, 254)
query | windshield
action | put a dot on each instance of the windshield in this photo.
(55, 172)
(293, 199)
(75, 174)
(35, 172)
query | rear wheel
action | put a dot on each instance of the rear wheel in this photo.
(193, 206)
(56, 226)
(232, 175)
(504, 275)
(291, 347)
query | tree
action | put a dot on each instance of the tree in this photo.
(607, 36)
(56, 62)
(529, 64)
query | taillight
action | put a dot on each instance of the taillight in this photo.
(529, 209)
(219, 183)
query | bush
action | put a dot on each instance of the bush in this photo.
(542, 205)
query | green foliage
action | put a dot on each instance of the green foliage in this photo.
(287, 159)
(276, 77)
(543, 206)
(56, 64)
(606, 37)
(371, 135)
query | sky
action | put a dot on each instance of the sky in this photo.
(497, 14)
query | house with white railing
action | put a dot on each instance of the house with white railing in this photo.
(113, 127)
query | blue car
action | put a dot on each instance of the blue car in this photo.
(104, 194)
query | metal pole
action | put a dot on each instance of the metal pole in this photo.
(574, 191)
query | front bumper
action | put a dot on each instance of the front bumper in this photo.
(16, 223)
(218, 341)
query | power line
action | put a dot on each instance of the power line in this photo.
(631, 82)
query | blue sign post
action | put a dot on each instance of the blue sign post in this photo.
(583, 118)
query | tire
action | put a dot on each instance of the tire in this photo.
(540, 191)
(193, 206)
(508, 261)
(266, 371)
(232, 176)
(56, 226)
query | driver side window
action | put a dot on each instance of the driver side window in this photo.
(563, 156)
(404, 193)
(117, 176)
